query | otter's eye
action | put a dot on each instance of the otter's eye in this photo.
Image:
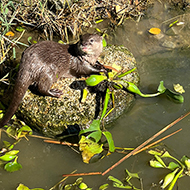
(92, 41)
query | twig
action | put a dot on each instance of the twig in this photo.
(59, 142)
(82, 174)
(156, 142)
(145, 143)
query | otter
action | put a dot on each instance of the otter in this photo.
(44, 63)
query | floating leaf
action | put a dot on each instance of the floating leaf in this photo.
(9, 34)
(169, 178)
(117, 183)
(154, 152)
(83, 185)
(186, 161)
(173, 166)
(22, 187)
(13, 152)
(178, 98)
(93, 80)
(134, 175)
(103, 187)
(115, 180)
(155, 31)
(156, 164)
(89, 148)
(160, 160)
(179, 88)
(12, 166)
(7, 157)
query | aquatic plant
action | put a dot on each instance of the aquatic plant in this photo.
(113, 81)
(178, 168)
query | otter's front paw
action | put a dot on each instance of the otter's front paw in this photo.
(55, 92)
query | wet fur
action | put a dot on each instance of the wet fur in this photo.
(43, 63)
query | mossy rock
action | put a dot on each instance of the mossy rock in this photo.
(51, 116)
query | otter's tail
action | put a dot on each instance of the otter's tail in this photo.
(20, 88)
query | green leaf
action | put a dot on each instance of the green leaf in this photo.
(134, 175)
(93, 80)
(173, 23)
(173, 166)
(161, 87)
(89, 148)
(127, 72)
(154, 152)
(94, 126)
(160, 160)
(84, 95)
(104, 186)
(7, 157)
(96, 135)
(6, 11)
(29, 38)
(6, 144)
(185, 160)
(169, 178)
(12, 166)
(174, 96)
(12, 152)
(83, 186)
(109, 138)
(98, 21)
(117, 183)
(25, 128)
(106, 100)
(20, 29)
(104, 42)
(115, 180)
(22, 187)
(156, 164)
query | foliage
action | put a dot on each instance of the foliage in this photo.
(9, 156)
(178, 168)
(114, 82)
(23, 187)
(78, 184)
(117, 183)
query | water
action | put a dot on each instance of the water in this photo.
(43, 164)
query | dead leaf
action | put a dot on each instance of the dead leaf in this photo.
(155, 31)
(9, 34)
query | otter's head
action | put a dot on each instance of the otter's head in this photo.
(91, 44)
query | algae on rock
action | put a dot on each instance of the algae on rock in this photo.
(51, 116)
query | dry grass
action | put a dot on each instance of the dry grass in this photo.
(64, 19)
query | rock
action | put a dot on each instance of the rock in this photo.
(51, 116)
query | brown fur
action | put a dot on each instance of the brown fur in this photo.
(43, 63)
